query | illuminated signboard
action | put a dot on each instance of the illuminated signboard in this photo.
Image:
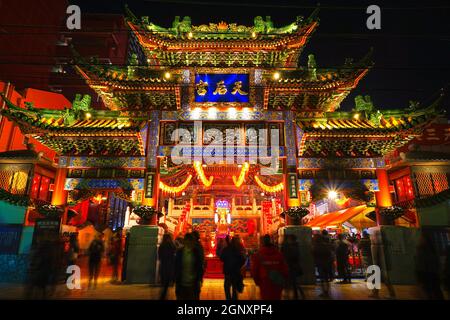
(222, 87)
(149, 186)
(293, 185)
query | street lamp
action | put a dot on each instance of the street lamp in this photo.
(332, 194)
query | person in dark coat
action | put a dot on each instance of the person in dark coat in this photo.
(115, 253)
(365, 248)
(269, 270)
(189, 270)
(95, 251)
(43, 270)
(74, 250)
(233, 260)
(323, 258)
(427, 268)
(291, 253)
(342, 256)
(200, 248)
(166, 255)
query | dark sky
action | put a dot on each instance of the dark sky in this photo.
(411, 51)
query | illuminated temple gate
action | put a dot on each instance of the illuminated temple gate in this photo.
(219, 127)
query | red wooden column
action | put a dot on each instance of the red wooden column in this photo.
(59, 196)
(383, 197)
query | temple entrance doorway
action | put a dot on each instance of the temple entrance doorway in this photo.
(222, 209)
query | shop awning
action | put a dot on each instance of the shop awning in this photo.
(337, 218)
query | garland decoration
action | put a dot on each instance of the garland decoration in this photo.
(240, 180)
(14, 199)
(176, 189)
(50, 211)
(270, 189)
(201, 174)
(146, 213)
(392, 213)
(295, 212)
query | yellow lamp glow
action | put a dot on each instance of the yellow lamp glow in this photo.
(212, 113)
(276, 76)
(167, 75)
(196, 113)
(332, 194)
(232, 113)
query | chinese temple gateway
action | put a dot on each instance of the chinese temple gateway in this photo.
(219, 128)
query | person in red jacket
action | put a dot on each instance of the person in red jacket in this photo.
(269, 270)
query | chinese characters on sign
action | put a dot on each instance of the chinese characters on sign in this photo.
(46, 230)
(222, 88)
(435, 134)
(293, 185)
(149, 186)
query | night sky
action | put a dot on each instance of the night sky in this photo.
(411, 51)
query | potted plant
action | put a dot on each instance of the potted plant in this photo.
(50, 211)
(147, 214)
(294, 215)
(389, 214)
(14, 199)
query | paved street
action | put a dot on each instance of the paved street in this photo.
(212, 290)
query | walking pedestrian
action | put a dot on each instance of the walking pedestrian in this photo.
(74, 250)
(188, 270)
(43, 270)
(95, 251)
(233, 260)
(115, 252)
(291, 252)
(365, 249)
(342, 256)
(428, 268)
(323, 257)
(269, 270)
(166, 255)
(201, 250)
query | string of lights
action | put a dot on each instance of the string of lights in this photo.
(241, 179)
(175, 189)
(269, 189)
(201, 174)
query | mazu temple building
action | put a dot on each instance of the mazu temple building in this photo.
(218, 128)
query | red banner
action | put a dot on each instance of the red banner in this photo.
(267, 211)
(83, 209)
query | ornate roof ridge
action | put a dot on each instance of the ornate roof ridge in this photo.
(54, 121)
(182, 27)
(379, 121)
(313, 75)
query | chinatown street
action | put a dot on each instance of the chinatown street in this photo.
(212, 290)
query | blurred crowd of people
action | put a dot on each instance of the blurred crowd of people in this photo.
(182, 263)
(50, 258)
(275, 267)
